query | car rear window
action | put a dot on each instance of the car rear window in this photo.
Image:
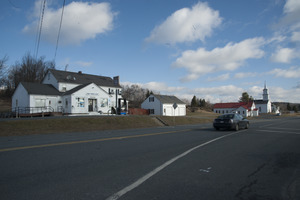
(229, 116)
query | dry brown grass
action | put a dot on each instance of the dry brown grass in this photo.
(5, 104)
(73, 124)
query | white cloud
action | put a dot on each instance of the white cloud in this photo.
(284, 55)
(292, 72)
(291, 16)
(186, 25)
(222, 77)
(160, 87)
(291, 6)
(81, 21)
(295, 37)
(225, 93)
(228, 58)
(83, 63)
(245, 75)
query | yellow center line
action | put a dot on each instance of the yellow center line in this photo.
(87, 141)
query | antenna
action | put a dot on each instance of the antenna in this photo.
(66, 67)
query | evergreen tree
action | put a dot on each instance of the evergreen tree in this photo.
(194, 102)
(288, 107)
(245, 97)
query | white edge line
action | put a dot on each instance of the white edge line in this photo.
(272, 131)
(158, 169)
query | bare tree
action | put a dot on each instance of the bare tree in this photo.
(29, 70)
(135, 94)
(3, 70)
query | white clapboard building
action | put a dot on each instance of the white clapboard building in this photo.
(164, 105)
(70, 92)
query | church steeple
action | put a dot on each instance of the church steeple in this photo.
(265, 93)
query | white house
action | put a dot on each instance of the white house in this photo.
(245, 109)
(264, 105)
(70, 92)
(164, 105)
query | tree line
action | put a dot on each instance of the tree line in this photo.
(29, 69)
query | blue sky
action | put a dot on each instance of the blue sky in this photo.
(213, 49)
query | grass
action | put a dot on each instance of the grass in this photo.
(5, 104)
(72, 124)
(85, 124)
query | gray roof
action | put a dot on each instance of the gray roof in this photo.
(80, 78)
(168, 99)
(260, 101)
(76, 89)
(41, 89)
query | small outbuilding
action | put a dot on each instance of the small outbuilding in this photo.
(164, 105)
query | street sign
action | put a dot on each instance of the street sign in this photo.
(175, 106)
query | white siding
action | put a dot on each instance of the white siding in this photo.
(50, 79)
(20, 98)
(163, 109)
(153, 105)
(79, 101)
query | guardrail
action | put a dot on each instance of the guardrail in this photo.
(31, 110)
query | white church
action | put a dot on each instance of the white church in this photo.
(264, 105)
(252, 108)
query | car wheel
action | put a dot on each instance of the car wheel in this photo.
(237, 127)
(247, 125)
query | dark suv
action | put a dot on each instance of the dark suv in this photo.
(231, 121)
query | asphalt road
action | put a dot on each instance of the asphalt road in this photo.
(185, 162)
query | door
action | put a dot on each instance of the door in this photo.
(92, 105)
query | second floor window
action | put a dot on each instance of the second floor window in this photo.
(151, 99)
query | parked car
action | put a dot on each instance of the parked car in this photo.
(231, 121)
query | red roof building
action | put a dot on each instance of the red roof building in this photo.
(244, 108)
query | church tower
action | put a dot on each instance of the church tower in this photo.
(265, 93)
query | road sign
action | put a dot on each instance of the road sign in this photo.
(175, 106)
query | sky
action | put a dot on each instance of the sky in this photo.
(213, 49)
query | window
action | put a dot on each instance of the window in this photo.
(226, 111)
(80, 102)
(151, 111)
(151, 99)
(103, 102)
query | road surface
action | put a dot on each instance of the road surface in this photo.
(184, 162)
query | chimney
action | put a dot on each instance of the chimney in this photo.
(116, 80)
(79, 72)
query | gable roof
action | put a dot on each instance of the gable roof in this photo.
(168, 99)
(260, 101)
(80, 78)
(245, 105)
(79, 88)
(76, 89)
(41, 89)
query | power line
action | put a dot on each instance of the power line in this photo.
(40, 29)
(61, 19)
